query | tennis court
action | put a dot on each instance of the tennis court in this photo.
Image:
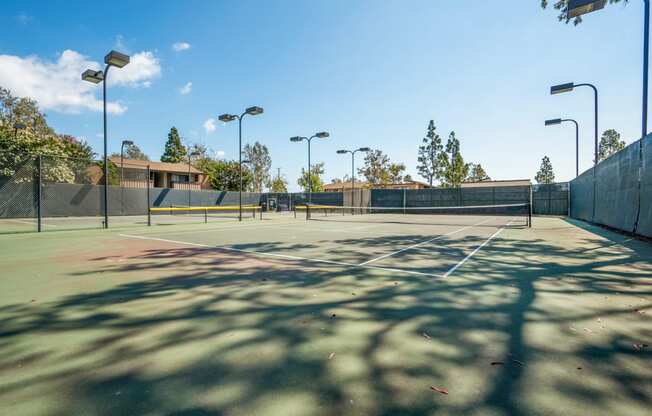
(382, 313)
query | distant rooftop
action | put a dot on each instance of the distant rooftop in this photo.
(154, 166)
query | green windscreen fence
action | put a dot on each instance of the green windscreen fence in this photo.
(550, 199)
(618, 191)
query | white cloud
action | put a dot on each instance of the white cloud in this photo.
(220, 154)
(209, 125)
(186, 89)
(57, 85)
(142, 69)
(180, 46)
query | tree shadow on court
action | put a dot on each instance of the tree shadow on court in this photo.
(164, 330)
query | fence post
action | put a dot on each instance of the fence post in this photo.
(149, 212)
(404, 200)
(39, 194)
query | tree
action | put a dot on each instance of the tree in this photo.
(429, 162)
(545, 174)
(261, 163)
(395, 172)
(315, 178)
(376, 166)
(133, 152)
(66, 159)
(562, 6)
(477, 173)
(279, 185)
(225, 175)
(455, 170)
(336, 180)
(175, 152)
(610, 143)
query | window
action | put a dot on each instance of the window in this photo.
(180, 178)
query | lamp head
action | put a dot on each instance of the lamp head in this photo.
(364, 149)
(254, 111)
(127, 143)
(19, 126)
(116, 59)
(90, 75)
(553, 122)
(562, 88)
(297, 138)
(579, 7)
(322, 134)
(227, 117)
(341, 152)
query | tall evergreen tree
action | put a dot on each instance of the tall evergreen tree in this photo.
(545, 173)
(477, 173)
(430, 166)
(175, 152)
(455, 170)
(610, 143)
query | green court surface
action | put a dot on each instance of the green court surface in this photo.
(340, 315)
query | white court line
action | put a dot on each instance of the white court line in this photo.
(421, 243)
(282, 256)
(478, 248)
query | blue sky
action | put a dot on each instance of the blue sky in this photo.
(372, 73)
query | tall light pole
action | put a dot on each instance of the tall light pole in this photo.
(252, 111)
(579, 7)
(562, 88)
(122, 171)
(190, 155)
(353, 152)
(556, 121)
(320, 135)
(118, 60)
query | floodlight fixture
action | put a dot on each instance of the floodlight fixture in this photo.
(577, 8)
(341, 152)
(227, 117)
(116, 59)
(562, 88)
(553, 122)
(298, 138)
(364, 149)
(322, 134)
(90, 75)
(254, 111)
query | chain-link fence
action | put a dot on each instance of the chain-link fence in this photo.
(550, 199)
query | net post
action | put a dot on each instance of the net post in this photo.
(529, 209)
(205, 215)
(307, 212)
(149, 212)
(39, 196)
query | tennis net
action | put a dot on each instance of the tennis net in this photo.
(506, 214)
(180, 214)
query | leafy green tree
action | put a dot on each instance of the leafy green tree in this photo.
(396, 172)
(175, 152)
(376, 167)
(455, 170)
(225, 175)
(430, 166)
(545, 173)
(477, 173)
(260, 163)
(562, 6)
(314, 178)
(610, 143)
(66, 158)
(279, 185)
